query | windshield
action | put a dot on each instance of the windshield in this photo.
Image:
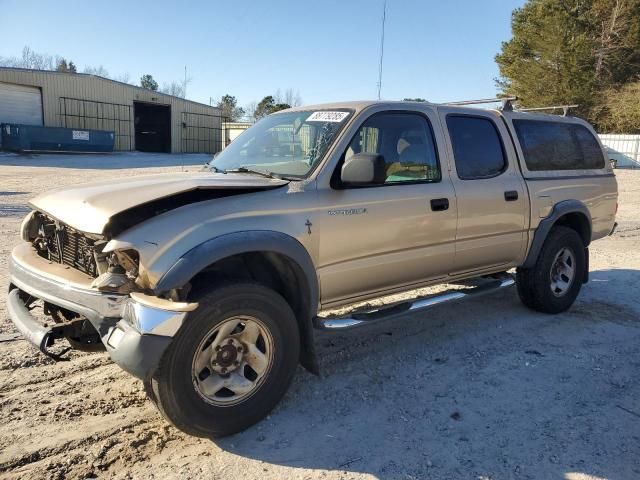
(285, 144)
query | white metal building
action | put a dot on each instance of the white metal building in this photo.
(233, 129)
(141, 119)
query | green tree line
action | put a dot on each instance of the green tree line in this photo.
(584, 52)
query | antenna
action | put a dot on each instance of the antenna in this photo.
(384, 18)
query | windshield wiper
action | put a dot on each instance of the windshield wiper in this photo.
(249, 170)
(262, 173)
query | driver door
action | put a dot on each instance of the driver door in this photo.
(383, 237)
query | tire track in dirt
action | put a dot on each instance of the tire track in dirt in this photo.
(105, 444)
(79, 424)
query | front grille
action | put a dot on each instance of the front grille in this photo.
(63, 244)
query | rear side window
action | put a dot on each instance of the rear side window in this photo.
(477, 148)
(558, 146)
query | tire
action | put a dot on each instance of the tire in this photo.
(541, 287)
(187, 395)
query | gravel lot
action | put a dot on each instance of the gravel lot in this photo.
(482, 390)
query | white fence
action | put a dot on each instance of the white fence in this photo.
(623, 148)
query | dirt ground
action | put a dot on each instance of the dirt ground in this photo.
(484, 389)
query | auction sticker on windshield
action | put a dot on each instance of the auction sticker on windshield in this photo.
(327, 116)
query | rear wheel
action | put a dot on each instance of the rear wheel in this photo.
(230, 363)
(554, 282)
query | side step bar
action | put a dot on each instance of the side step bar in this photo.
(383, 313)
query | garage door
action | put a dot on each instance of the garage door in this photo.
(20, 104)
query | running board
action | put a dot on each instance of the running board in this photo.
(422, 303)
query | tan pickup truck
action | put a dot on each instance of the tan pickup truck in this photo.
(208, 285)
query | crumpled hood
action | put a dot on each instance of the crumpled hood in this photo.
(89, 207)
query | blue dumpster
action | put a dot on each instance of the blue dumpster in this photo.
(31, 138)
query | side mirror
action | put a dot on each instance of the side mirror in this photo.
(364, 169)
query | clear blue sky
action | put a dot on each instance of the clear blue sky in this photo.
(328, 49)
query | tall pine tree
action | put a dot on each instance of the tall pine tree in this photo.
(571, 51)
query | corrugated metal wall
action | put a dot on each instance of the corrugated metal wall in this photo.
(623, 148)
(97, 103)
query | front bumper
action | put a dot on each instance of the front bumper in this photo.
(134, 333)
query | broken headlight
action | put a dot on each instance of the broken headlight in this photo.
(118, 271)
(29, 227)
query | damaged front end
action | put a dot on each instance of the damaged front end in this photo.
(90, 295)
(94, 285)
(57, 242)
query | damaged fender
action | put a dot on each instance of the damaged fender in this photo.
(211, 251)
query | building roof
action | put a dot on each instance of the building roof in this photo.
(98, 77)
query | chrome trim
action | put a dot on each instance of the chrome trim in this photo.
(138, 311)
(336, 323)
(154, 321)
(91, 304)
(389, 311)
(162, 303)
(437, 300)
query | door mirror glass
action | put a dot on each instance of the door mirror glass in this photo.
(364, 169)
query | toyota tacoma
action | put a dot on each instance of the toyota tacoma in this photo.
(209, 285)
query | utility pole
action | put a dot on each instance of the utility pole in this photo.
(384, 18)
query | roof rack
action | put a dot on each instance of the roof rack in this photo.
(506, 102)
(565, 109)
(507, 106)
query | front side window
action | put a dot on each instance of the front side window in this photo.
(558, 146)
(289, 144)
(406, 142)
(477, 148)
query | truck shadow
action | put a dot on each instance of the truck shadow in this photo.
(480, 388)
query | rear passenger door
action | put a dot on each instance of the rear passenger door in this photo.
(491, 195)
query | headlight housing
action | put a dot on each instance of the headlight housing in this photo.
(29, 228)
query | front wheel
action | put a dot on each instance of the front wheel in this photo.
(230, 363)
(554, 282)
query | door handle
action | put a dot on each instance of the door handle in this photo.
(439, 204)
(511, 196)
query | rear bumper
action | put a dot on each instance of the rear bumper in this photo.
(121, 322)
